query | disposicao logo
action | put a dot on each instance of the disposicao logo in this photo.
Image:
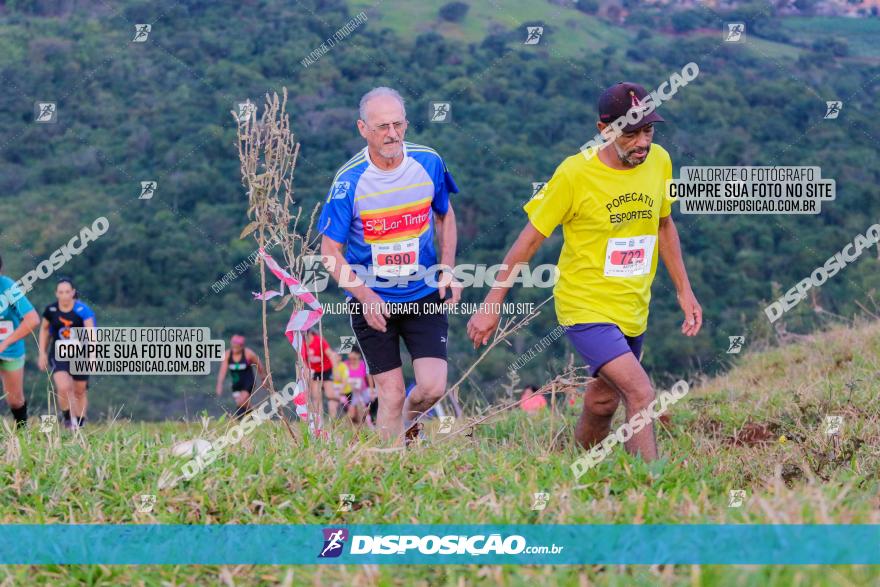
(334, 541)
(432, 544)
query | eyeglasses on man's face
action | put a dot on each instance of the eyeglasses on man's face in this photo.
(384, 128)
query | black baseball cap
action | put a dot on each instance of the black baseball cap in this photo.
(616, 101)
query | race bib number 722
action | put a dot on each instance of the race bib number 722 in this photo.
(630, 256)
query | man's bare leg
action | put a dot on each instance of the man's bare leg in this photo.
(626, 374)
(600, 402)
(391, 395)
(430, 387)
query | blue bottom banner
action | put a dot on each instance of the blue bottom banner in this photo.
(127, 544)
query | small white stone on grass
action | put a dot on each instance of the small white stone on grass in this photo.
(188, 448)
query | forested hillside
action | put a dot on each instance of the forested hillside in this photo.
(160, 110)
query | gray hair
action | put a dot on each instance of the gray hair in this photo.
(376, 93)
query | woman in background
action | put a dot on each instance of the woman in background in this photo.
(240, 362)
(58, 319)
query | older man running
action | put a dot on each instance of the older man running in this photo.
(615, 215)
(385, 207)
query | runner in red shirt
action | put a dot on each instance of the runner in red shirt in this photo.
(320, 358)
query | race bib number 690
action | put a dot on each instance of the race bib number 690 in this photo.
(396, 259)
(630, 256)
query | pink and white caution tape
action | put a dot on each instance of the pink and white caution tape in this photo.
(301, 405)
(300, 402)
(299, 322)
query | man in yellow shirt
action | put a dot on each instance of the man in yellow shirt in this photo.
(616, 220)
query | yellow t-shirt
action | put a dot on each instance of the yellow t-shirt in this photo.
(340, 378)
(609, 221)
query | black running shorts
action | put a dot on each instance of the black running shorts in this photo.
(322, 375)
(63, 366)
(422, 328)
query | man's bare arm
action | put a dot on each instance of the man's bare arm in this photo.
(523, 249)
(334, 261)
(374, 309)
(670, 251)
(483, 323)
(447, 236)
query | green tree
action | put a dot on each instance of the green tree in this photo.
(454, 11)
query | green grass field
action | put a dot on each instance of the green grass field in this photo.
(861, 34)
(726, 434)
(570, 33)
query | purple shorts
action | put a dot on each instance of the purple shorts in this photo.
(600, 342)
